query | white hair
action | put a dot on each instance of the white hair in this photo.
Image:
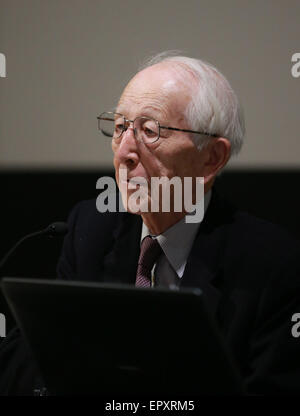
(214, 107)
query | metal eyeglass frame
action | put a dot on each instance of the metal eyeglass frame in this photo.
(150, 118)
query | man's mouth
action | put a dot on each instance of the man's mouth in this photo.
(133, 181)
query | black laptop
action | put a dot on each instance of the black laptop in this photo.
(92, 338)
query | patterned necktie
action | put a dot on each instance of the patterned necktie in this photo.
(150, 251)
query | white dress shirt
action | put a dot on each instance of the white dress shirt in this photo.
(176, 243)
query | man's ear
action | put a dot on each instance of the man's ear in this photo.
(218, 155)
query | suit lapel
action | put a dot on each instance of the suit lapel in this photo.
(120, 263)
(204, 268)
(201, 271)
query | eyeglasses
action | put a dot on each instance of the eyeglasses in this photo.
(146, 129)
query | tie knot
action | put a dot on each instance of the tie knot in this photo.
(150, 251)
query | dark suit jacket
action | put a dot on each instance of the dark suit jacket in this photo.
(247, 268)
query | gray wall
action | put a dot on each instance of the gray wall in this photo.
(68, 60)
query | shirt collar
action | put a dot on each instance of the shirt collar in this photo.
(176, 242)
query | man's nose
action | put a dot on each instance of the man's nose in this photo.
(127, 152)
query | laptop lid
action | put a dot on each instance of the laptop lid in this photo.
(94, 338)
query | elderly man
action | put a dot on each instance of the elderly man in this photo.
(196, 125)
(179, 117)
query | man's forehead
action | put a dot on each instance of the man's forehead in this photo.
(155, 88)
(145, 103)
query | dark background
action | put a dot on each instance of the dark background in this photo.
(32, 200)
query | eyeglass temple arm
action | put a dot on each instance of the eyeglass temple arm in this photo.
(190, 131)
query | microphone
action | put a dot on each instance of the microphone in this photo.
(53, 230)
(56, 229)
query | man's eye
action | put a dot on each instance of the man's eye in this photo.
(119, 127)
(149, 132)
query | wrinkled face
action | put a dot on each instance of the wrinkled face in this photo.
(156, 92)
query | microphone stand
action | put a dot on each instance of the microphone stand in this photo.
(54, 229)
